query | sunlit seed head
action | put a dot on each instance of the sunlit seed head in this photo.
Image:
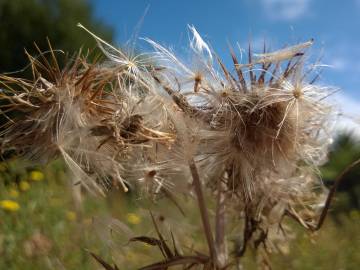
(151, 173)
(297, 93)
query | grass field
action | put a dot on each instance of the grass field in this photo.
(41, 228)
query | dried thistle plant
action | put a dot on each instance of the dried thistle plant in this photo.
(249, 139)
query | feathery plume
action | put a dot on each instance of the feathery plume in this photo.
(252, 136)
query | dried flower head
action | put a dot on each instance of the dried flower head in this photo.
(253, 136)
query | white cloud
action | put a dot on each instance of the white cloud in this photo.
(342, 58)
(285, 10)
(339, 63)
(349, 113)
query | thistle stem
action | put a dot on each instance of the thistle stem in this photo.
(203, 210)
(220, 221)
(332, 192)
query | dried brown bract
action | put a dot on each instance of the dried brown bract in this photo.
(251, 137)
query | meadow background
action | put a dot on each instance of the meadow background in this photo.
(43, 227)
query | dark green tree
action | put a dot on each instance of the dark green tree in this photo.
(345, 150)
(23, 22)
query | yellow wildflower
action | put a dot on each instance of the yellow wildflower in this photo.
(9, 205)
(24, 185)
(71, 215)
(133, 218)
(13, 193)
(36, 176)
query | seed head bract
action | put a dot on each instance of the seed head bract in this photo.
(259, 128)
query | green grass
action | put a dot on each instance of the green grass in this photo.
(47, 212)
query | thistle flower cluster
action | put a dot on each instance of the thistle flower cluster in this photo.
(250, 137)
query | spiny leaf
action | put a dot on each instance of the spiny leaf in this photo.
(183, 260)
(148, 240)
(251, 73)
(238, 70)
(164, 246)
(103, 263)
(174, 244)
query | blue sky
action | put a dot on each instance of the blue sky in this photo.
(335, 26)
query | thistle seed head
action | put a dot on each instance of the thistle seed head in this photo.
(140, 120)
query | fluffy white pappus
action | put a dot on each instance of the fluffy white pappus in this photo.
(248, 139)
(154, 123)
(198, 44)
(267, 118)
